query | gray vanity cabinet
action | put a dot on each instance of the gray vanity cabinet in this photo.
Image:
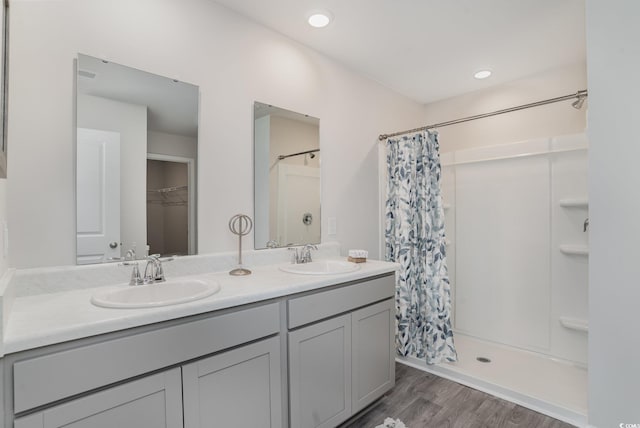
(153, 401)
(240, 388)
(373, 361)
(311, 360)
(341, 351)
(320, 374)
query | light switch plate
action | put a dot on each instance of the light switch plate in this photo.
(331, 226)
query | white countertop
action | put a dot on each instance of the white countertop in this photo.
(46, 319)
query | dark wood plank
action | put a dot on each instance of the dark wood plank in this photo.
(424, 400)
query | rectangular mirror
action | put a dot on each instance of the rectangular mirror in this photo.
(3, 87)
(286, 177)
(136, 160)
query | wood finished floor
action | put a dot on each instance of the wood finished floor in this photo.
(423, 400)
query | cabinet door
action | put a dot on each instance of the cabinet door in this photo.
(150, 402)
(373, 368)
(320, 374)
(240, 388)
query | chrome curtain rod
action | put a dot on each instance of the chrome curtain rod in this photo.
(580, 95)
(280, 157)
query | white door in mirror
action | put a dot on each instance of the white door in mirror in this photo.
(153, 295)
(98, 195)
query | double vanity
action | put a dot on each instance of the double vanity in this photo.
(277, 348)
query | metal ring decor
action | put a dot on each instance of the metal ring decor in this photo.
(240, 225)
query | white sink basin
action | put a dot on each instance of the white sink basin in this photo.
(321, 267)
(167, 293)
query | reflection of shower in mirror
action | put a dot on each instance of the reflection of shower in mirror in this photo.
(287, 177)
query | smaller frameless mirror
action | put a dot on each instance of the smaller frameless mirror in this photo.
(286, 177)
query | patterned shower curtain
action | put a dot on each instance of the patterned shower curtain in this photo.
(415, 238)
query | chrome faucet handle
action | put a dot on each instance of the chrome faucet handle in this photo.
(272, 243)
(306, 253)
(159, 276)
(295, 258)
(136, 279)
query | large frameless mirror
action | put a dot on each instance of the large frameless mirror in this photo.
(286, 177)
(136, 160)
(3, 87)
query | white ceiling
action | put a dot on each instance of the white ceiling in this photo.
(429, 49)
(172, 106)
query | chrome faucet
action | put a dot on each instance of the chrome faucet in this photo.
(153, 271)
(302, 256)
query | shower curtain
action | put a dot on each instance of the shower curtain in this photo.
(414, 236)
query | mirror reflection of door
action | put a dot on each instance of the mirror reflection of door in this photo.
(169, 205)
(98, 196)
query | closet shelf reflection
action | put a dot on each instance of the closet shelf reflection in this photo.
(575, 250)
(167, 189)
(168, 196)
(574, 203)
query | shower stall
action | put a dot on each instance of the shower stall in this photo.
(516, 218)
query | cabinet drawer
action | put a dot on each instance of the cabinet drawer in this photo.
(154, 401)
(42, 380)
(325, 304)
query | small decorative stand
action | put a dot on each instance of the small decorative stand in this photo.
(240, 225)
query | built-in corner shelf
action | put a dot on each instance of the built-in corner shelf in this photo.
(575, 324)
(575, 250)
(574, 203)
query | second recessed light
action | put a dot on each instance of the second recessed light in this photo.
(482, 74)
(319, 19)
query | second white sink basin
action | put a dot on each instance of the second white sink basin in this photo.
(321, 267)
(167, 293)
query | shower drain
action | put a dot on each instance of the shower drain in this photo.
(483, 359)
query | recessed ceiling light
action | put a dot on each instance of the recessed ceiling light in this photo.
(319, 19)
(482, 74)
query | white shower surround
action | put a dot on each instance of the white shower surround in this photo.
(511, 281)
(518, 374)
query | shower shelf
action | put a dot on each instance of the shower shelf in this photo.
(575, 250)
(574, 203)
(574, 324)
